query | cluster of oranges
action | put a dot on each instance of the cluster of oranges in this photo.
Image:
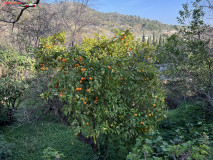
(48, 46)
(42, 67)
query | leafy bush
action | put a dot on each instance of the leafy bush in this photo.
(6, 149)
(52, 154)
(153, 146)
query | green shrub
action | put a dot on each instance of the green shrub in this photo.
(155, 147)
(6, 149)
(52, 154)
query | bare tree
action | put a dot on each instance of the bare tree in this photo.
(75, 16)
(11, 12)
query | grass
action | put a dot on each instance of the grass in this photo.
(31, 140)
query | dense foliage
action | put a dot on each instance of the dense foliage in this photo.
(102, 82)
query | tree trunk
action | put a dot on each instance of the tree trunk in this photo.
(90, 141)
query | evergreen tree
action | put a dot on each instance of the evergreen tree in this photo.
(153, 39)
(143, 39)
(160, 41)
(149, 40)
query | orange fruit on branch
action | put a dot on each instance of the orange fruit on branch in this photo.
(56, 85)
(90, 78)
(87, 123)
(141, 122)
(135, 115)
(85, 102)
(108, 67)
(150, 115)
(80, 58)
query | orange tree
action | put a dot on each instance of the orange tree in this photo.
(106, 89)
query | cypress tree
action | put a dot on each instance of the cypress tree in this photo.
(143, 39)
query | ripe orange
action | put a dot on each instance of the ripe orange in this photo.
(130, 49)
(85, 102)
(135, 115)
(145, 130)
(124, 37)
(96, 100)
(111, 125)
(64, 60)
(108, 67)
(126, 44)
(41, 64)
(85, 99)
(87, 90)
(141, 122)
(147, 56)
(145, 79)
(59, 58)
(82, 99)
(75, 99)
(61, 95)
(65, 72)
(103, 46)
(76, 65)
(87, 123)
(46, 45)
(56, 85)
(82, 69)
(80, 89)
(119, 116)
(42, 68)
(154, 105)
(96, 97)
(163, 100)
(139, 70)
(80, 58)
(90, 78)
(82, 78)
(150, 115)
(46, 68)
(121, 78)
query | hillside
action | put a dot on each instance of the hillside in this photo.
(47, 19)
